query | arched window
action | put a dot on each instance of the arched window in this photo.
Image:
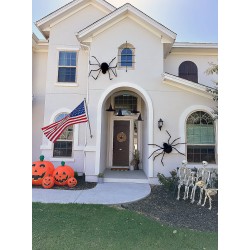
(126, 55)
(200, 137)
(189, 71)
(64, 144)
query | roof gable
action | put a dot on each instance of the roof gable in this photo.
(67, 10)
(127, 10)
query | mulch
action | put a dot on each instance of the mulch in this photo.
(81, 185)
(161, 205)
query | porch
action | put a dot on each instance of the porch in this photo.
(136, 176)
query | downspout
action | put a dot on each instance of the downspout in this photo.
(87, 102)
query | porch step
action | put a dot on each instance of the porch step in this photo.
(136, 176)
(125, 180)
(119, 168)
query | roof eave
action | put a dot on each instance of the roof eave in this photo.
(43, 24)
(125, 9)
(190, 86)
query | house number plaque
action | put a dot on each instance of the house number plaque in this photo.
(121, 137)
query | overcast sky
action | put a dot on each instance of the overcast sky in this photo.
(191, 20)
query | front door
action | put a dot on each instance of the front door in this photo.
(121, 143)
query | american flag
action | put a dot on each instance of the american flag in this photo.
(54, 130)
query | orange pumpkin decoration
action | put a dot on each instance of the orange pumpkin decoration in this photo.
(72, 182)
(62, 173)
(41, 169)
(48, 182)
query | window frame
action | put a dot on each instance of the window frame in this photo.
(120, 50)
(190, 65)
(67, 83)
(62, 139)
(201, 146)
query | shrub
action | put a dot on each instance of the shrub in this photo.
(76, 174)
(168, 182)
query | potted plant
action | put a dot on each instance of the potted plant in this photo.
(135, 160)
(100, 177)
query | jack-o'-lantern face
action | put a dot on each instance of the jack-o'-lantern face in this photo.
(60, 177)
(72, 182)
(48, 182)
(41, 169)
(62, 173)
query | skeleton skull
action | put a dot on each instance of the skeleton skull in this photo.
(204, 163)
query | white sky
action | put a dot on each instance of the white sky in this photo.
(191, 20)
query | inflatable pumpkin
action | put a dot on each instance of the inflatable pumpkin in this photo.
(48, 182)
(72, 182)
(62, 173)
(41, 169)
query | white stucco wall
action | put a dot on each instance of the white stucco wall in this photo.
(39, 71)
(201, 59)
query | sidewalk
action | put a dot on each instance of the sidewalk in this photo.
(105, 193)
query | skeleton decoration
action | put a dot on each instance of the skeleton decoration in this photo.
(190, 183)
(202, 180)
(167, 148)
(104, 68)
(182, 174)
(208, 193)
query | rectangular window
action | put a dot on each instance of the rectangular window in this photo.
(67, 66)
(201, 153)
(62, 149)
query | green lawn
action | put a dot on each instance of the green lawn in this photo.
(77, 226)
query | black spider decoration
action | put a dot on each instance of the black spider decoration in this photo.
(167, 148)
(104, 67)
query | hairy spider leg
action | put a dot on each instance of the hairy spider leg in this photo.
(162, 158)
(175, 140)
(158, 154)
(112, 61)
(109, 76)
(97, 74)
(178, 144)
(169, 137)
(155, 151)
(156, 145)
(111, 68)
(178, 151)
(97, 62)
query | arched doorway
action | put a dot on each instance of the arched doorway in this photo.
(137, 135)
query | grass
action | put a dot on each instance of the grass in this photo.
(80, 226)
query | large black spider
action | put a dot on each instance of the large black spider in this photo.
(104, 67)
(167, 148)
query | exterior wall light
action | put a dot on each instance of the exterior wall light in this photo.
(160, 123)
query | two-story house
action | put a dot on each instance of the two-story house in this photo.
(148, 78)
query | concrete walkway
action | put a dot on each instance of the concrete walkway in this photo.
(105, 193)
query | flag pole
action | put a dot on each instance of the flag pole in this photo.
(88, 118)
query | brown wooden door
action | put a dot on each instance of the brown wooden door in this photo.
(121, 143)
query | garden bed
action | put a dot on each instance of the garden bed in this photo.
(162, 206)
(81, 185)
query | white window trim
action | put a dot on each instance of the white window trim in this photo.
(123, 46)
(75, 146)
(182, 126)
(67, 84)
